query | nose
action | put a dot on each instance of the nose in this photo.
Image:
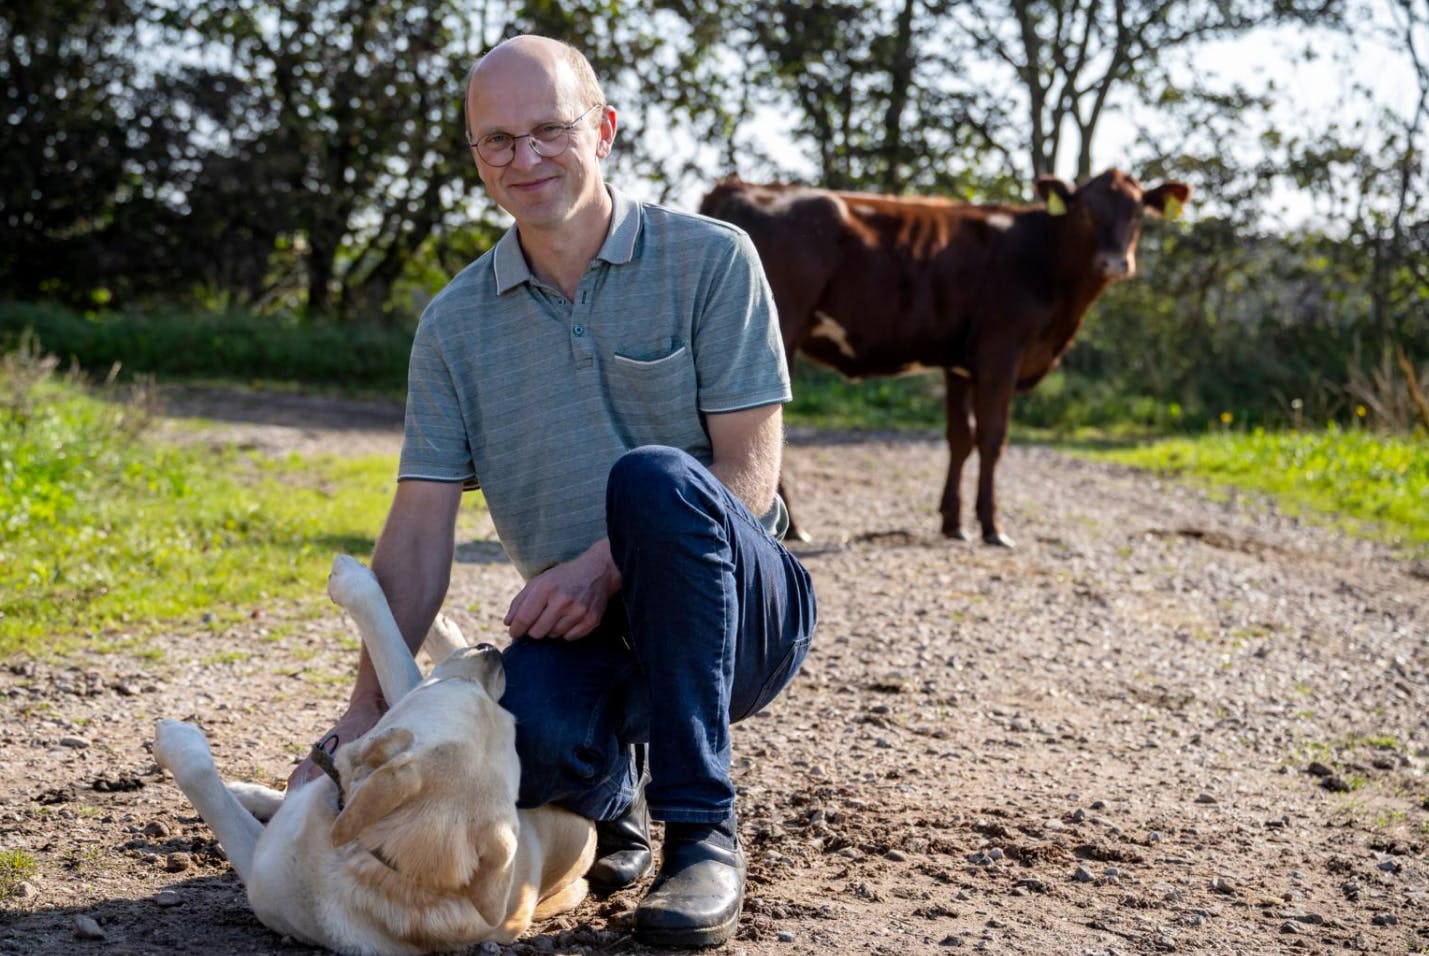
(1115, 265)
(526, 154)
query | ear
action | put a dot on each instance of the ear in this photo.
(381, 793)
(491, 883)
(393, 782)
(606, 130)
(1057, 194)
(1167, 199)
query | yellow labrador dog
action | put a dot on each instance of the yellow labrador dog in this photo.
(420, 847)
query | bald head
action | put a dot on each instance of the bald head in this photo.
(531, 56)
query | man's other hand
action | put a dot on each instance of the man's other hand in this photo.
(567, 600)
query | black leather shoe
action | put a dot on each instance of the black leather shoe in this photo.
(622, 848)
(697, 896)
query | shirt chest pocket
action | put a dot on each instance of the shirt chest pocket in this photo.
(655, 398)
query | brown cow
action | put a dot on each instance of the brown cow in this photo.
(991, 294)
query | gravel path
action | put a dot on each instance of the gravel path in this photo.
(1166, 722)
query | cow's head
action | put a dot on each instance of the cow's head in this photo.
(1107, 212)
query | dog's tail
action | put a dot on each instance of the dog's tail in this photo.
(443, 638)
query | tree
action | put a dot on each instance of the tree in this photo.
(65, 137)
(333, 127)
(1070, 58)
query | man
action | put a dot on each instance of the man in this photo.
(612, 375)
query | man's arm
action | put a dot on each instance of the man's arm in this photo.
(747, 447)
(412, 561)
(569, 600)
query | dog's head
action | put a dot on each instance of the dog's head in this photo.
(431, 791)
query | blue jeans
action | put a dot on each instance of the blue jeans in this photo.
(714, 618)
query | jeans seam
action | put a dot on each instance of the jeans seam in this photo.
(779, 673)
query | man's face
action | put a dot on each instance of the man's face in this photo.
(515, 95)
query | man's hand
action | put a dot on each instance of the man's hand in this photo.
(359, 719)
(567, 600)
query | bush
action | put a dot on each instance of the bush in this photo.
(231, 346)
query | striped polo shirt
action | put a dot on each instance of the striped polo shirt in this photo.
(533, 397)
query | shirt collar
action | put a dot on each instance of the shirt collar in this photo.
(618, 248)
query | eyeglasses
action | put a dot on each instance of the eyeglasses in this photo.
(547, 140)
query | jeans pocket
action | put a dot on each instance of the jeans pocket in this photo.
(777, 680)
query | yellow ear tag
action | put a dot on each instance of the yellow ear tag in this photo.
(1055, 205)
(1171, 208)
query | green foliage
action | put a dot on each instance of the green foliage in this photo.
(16, 866)
(825, 399)
(232, 346)
(105, 535)
(1379, 482)
(65, 135)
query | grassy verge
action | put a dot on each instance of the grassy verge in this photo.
(107, 537)
(232, 347)
(1370, 484)
(825, 399)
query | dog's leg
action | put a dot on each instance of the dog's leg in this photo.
(443, 638)
(566, 898)
(258, 800)
(355, 588)
(182, 750)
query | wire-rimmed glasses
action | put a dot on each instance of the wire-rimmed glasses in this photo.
(547, 140)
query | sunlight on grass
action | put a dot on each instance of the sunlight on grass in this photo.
(16, 866)
(106, 536)
(1380, 483)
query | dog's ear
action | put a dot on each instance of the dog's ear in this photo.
(393, 781)
(491, 883)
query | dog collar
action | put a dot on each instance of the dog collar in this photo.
(323, 759)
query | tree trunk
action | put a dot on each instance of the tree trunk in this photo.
(900, 78)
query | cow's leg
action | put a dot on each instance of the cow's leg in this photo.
(957, 391)
(992, 406)
(793, 532)
(181, 749)
(793, 335)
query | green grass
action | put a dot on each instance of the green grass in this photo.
(16, 866)
(1373, 484)
(178, 345)
(107, 537)
(825, 399)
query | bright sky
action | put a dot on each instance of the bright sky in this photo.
(1310, 97)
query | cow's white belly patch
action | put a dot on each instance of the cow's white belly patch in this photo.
(827, 327)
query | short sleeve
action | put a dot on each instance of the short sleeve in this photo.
(434, 443)
(739, 353)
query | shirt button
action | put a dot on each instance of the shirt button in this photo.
(579, 330)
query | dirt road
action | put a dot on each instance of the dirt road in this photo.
(1163, 723)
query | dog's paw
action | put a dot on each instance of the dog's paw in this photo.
(444, 638)
(351, 582)
(180, 747)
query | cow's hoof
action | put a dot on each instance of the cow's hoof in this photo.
(997, 539)
(957, 533)
(798, 534)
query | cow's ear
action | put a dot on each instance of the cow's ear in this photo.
(1167, 199)
(1056, 193)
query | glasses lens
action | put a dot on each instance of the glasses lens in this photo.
(547, 140)
(496, 149)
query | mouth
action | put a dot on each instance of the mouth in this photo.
(531, 185)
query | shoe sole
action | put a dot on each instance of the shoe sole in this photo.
(603, 888)
(688, 938)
